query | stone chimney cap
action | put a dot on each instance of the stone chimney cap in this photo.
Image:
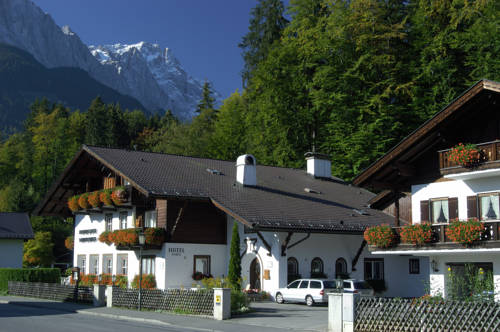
(316, 155)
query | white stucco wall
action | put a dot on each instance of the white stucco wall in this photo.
(11, 253)
(452, 188)
(329, 247)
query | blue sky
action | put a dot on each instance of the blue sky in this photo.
(203, 34)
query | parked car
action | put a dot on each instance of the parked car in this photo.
(358, 286)
(308, 291)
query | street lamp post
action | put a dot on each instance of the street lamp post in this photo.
(142, 241)
(76, 278)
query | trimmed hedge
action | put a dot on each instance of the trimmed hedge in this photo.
(28, 275)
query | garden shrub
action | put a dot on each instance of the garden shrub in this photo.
(148, 281)
(48, 275)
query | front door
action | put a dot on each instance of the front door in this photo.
(255, 274)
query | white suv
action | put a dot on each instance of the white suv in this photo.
(309, 291)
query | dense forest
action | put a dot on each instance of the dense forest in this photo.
(346, 78)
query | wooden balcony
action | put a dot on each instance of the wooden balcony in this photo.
(490, 159)
(490, 239)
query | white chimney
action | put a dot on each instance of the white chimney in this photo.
(246, 170)
(318, 165)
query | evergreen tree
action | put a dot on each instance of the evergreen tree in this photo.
(207, 100)
(97, 123)
(234, 273)
(266, 24)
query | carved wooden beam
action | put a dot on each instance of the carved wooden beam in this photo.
(179, 217)
(358, 254)
(268, 247)
(285, 243)
(299, 241)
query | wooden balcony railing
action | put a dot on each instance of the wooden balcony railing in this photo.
(490, 238)
(490, 152)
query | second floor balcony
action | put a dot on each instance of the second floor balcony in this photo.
(488, 158)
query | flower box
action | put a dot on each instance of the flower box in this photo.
(119, 196)
(465, 232)
(466, 155)
(417, 234)
(94, 199)
(83, 201)
(73, 203)
(381, 236)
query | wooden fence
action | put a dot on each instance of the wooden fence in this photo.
(51, 291)
(196, 302)
(380, 314)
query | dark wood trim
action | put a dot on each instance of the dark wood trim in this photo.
(268, 247)
(358, 254)
(424, 130)
(285, 243)
(299, 241)
(231, 213)
(179, 217)
(440, 246)
(202, 256)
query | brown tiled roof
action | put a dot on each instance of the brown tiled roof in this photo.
(278, 202)
(15, 226)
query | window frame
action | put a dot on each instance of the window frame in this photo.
(431, 211)
(372, 262)
(149, 221)
(123, 222)
(107, 258)
(152, 266)
(95, 266)
(414, 266)
(195, 257)
(295, 262)
(82, 264)
(119, 265)
(108, 223)
(479, 211)
(340, 260)
(321, 265)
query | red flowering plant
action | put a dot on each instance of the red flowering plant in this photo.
(94, 199)
(381, 236)
(121, 281)
(88, 279)
(105, 197)
(119, 195)
(83, 201)
(104, 238)
(155, 236)
(465, 154)
(417, 234)
(200, 276)
(465, 232)
(73, 203)
(148, 281)
(106, 279)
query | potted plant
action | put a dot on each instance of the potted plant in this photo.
(83, 201)
(466, 155)
(119, 195)
(73, 203)
(94, 199)
(105, 197)
(381, 236)
(417, 234)
(465, 232)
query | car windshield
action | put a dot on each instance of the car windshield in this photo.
(329, 284)
(361, 285)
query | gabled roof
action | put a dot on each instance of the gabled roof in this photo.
(15, 226)
(385, 170)
(278, 202)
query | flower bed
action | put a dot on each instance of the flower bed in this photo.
(465, 232)
(417, 234)
(465, 154)
(130, 237)
(381, 236)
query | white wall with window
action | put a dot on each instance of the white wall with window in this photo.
(107, 264)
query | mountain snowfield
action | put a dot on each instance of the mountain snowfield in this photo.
(143, 70)
(179, 91)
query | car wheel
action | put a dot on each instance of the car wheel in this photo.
(279, 298)
(309, 301)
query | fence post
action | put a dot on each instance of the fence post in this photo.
(222, 303)
(335, 312)
(99, 295)
(109, 296)
(349, 311)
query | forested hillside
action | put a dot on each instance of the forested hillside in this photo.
(346, 78)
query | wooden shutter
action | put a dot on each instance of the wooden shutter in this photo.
(109, 183)
(424, 210)
(472, 207)
(453, 208)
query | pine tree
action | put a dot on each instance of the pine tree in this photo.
(234, 273)
(97, 123)
(265, 28)
(207, 100)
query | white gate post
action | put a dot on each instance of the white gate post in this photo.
(99, 295)
(335, 312)
(109, 296)
(222, 303)
(349, 311)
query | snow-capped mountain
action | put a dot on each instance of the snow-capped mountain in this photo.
(144, 65)
(144, 71)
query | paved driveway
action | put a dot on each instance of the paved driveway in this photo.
(288, 316)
